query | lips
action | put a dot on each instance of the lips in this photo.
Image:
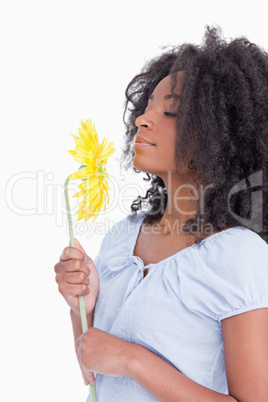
(142, 141)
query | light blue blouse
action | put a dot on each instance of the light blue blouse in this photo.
(176, 310)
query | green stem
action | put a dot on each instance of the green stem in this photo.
(80, 297)
(67, 203)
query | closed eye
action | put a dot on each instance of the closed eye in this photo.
(169, 114)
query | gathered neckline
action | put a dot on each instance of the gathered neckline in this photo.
(175, 255)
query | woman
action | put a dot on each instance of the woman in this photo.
(179, 293)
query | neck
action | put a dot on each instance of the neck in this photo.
(182, 197)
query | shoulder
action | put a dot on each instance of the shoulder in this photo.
(237, 247)
(230, 252)
(230, 272)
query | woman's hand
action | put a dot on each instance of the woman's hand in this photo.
(76, 275)
(103, 353)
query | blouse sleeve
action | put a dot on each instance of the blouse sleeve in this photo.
(231, 274)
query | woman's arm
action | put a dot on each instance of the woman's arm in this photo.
(78, 331)
(109, 355)
(246, 355)
(245, 339)
(166, 383)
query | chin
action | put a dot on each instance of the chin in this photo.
(137, 164)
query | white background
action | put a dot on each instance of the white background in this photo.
(63, 61)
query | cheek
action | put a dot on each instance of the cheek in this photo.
(168, 149)
(168, 143)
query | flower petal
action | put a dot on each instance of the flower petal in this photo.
(93, 156)
(81, 173)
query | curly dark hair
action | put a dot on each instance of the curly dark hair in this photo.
(222, 119)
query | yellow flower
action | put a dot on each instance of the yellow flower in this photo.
(93, 155)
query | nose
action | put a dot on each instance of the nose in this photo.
(144, 120)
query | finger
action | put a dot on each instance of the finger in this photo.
(79, 247)
(88, 375)
(71, 266)
(77, 278)
(71, 253)
(77, 266)
(69, 291)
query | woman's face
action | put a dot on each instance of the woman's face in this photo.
(155, 140)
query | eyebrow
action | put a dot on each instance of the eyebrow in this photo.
(169, 96)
